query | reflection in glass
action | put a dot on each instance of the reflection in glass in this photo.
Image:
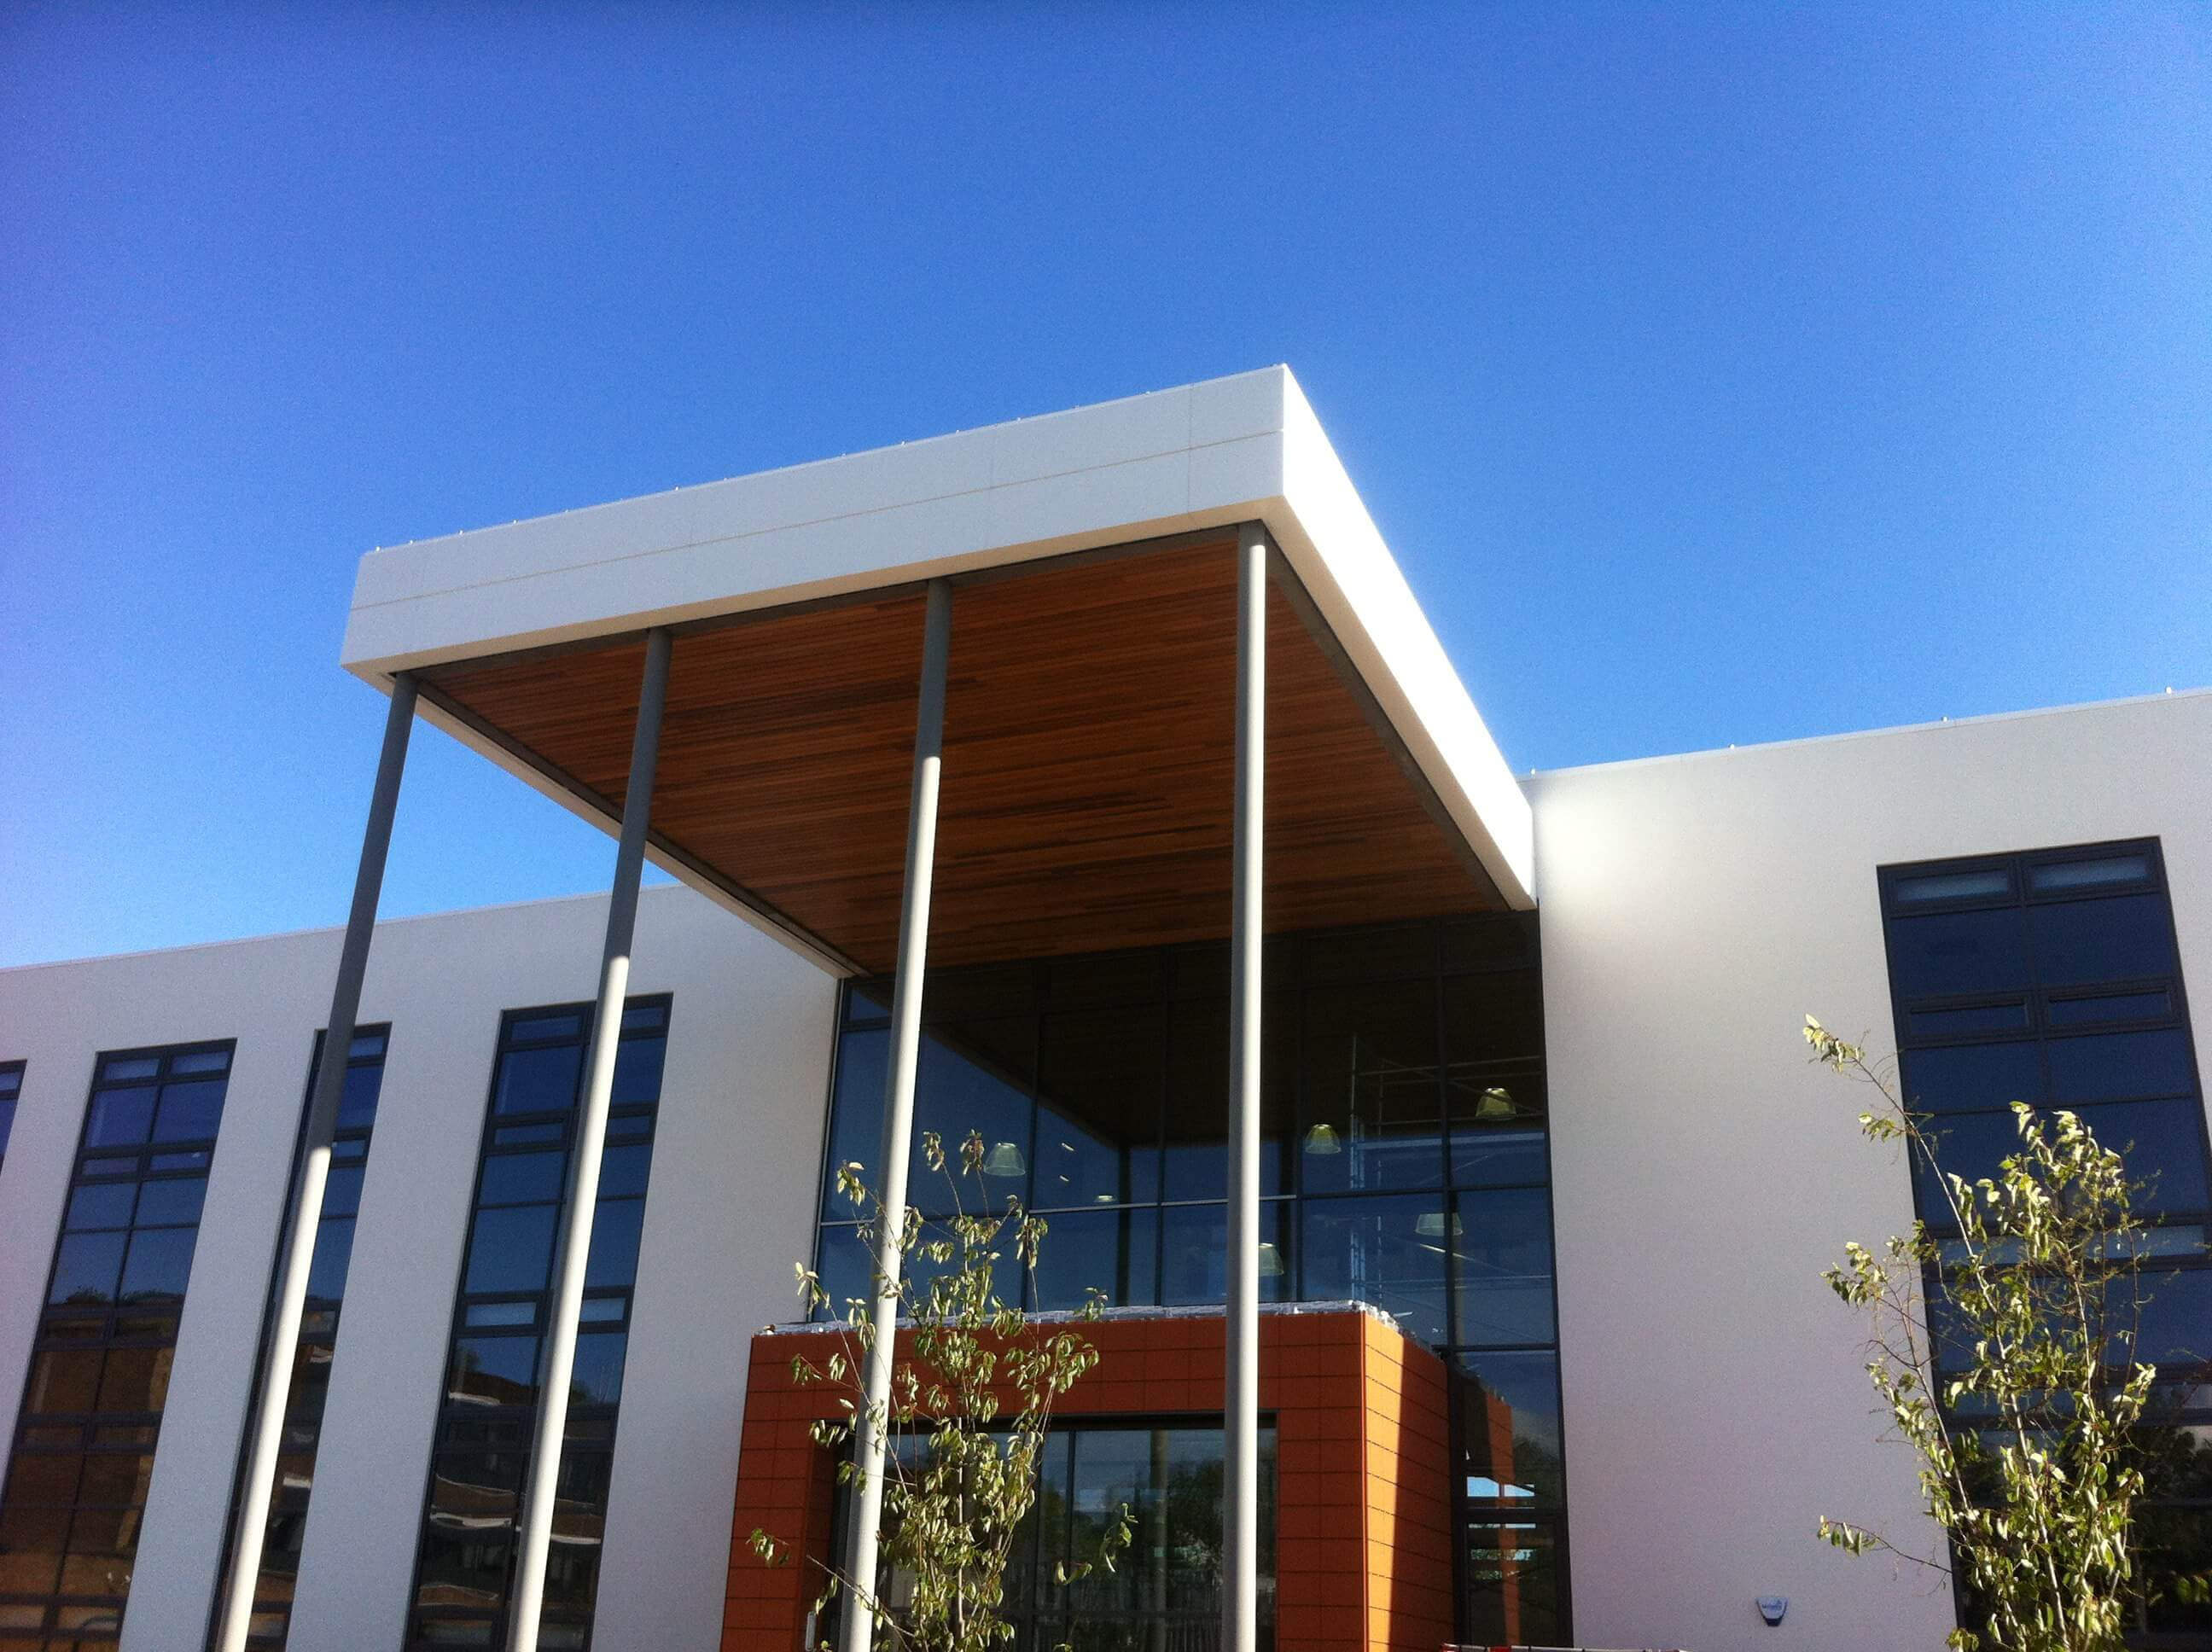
(2077, 942)
(1513, 1593)
(1098, 1106)
(1195, 1254)
(1115, 1251)
(1503, 1260)
(1166, 1591)
(539, 1080)
(511, 1249)
(1196, 1153)
(1370, 1081)
(1958, 952)
(973, 1077)
(1390, 1252)
(1508, 1423)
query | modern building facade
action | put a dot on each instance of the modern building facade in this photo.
(1542, 1185)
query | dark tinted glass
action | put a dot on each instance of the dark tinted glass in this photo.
(973, 1077)
(326, 1273)
(496, 1371)
(1194, 1253)
(2173, 1323)
(1196, 1155)
(158, 1263)
(1387, 954)
(1387, 1251)
(856, 1112)
(121, 1118)
(599, 1369)
(1509, 1406)
(357, 1098)
(1115, 1251)
(2104, 1064)
(1962, 1077)
(189, 1112)
(86, 1265)
(2110, 1006)
(175, 1199)
(539, 1080)
(1373, 1115)
(1494, 1019)
(624, 1170)
(1503, 942)
(106, 1205)
(1513, 1583)
(637, 1070)
(2082, 941)
(2159, 1142)
(614, 1228)
(1100, 1084)
(1970, 1018)
(1502, 1249)
(341, 1193)
(510, 1250)
(521, 1178)
(1957, 952)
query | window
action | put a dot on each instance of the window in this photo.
(1165, 1589)
(2052, 978)
(100, 1367)
(1405, 1160)
(11, 1086)
(465, 1563)
(319, 1325)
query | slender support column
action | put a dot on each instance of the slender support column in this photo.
(856, 1629)
(1240, 1545)
(535, 1531)
(306, 1211)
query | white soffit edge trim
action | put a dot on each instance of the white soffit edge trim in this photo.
(1200, 456)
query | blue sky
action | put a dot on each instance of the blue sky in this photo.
(1725, 375)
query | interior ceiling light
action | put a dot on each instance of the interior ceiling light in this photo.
(1495, 1104)
(1005, 1160)
(1271, 1260)
(1321, 1140)
(1430, 1224)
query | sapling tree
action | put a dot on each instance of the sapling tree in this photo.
(2003, 1351)
(971, 1403)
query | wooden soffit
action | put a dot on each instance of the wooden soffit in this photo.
(1089, 762)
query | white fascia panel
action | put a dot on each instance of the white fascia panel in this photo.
(1336, 550)
(1198, 457)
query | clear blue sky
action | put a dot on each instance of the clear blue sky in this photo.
(1725, 376)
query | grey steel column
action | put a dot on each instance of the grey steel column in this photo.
(299, 1251)
(535, 1529)
(1240, 1544)
(856, 1626)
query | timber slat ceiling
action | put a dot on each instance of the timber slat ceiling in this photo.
(1087, 788)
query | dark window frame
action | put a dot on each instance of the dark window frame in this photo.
(1456, 949)
(591, 1437)
(105, 1328)
(2039, 1027)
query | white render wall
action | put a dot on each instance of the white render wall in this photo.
(748, 1056)
(1694, 910)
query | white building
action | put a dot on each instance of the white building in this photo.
(1654, 1398)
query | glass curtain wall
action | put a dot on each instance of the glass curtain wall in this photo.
(100, 1369)
(482, 1451)
(1404, 1164)
(271, 1623)
(2052, 978)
